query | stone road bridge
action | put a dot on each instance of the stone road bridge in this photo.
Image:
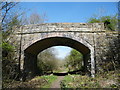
(92, 40)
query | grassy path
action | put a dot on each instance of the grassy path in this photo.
(56, 83)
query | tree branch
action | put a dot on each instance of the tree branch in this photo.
(7, 7)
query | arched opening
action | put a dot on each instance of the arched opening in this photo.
(60, 61)
(30, 53)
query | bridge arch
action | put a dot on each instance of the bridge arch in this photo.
(31, 52)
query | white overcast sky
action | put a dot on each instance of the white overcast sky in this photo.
(62, 51)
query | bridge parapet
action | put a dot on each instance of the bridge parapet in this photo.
(61, 27)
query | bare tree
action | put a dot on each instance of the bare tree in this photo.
(47, 60)
(36, 18)
(6, 7)
(6, 16)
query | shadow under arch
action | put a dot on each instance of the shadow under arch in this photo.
(31, 52)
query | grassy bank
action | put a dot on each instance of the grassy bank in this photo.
(106, 80)
(37, 82)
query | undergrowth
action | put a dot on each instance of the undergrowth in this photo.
(104, 80)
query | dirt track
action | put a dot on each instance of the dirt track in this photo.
(56, 83)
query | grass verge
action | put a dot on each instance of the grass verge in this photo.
(106, 80)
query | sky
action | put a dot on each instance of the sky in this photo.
(69, 0)
(69, 12)
(62, 51)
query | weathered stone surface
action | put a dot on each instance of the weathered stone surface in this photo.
(87, 38)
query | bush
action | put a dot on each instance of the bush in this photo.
(6, 48)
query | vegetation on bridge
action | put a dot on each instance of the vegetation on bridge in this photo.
(110, 22)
